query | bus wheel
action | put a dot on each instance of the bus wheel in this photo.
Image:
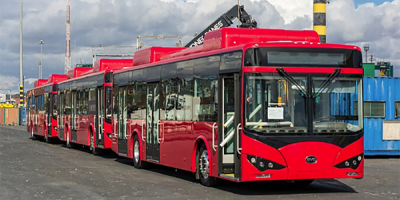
(95, 151)
(33, 136)
(303, 182)
(68, 144)
(136, 154)
(47, 139)
(203, 168)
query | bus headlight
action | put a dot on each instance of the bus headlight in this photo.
(351, 162)
(261, 163)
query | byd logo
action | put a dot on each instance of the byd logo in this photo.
(311, 159)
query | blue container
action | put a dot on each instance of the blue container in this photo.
(23, 116)
(380, 89)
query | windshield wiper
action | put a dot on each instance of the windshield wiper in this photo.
(326, 82)
(290, 79)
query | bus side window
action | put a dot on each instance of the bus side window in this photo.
(130, 101)
(185, 90)
(205, 89)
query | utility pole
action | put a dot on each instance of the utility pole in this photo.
(68, 48)
(21, 83)
(366, 48)
(41, 58)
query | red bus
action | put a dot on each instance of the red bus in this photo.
(41, 109)
(84, 104)
(247, 105)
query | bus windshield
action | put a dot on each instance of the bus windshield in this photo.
(275, 103)
(335, 105)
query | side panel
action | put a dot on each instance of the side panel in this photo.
(184, 142)
(168, 149)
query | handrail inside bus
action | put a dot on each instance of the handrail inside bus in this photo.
(226, 140)
(255, 111)
(229, 121)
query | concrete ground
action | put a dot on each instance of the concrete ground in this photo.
(37, 170)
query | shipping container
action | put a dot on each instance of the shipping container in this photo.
(11, 116)
(2, 118)
(381, 116)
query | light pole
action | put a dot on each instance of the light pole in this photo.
(21, 83)
(366, 48)
(41, 60)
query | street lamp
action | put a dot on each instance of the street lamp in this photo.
(41, 60)
(366, 48)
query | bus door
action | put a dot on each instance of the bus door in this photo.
(153, 122)
(49, 113)
(36, 113)
(228, 124)
(74, 116)
(100, 117)
(60, 117)
(122, 118)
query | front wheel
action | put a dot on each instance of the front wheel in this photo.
(33, 136)
(203, 167)
(47, 139)
(139, 164)
(95, 151)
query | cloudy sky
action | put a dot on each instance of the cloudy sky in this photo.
(118, 22)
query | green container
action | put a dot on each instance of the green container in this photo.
(369, 69)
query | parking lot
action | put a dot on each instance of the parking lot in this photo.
(38, 170)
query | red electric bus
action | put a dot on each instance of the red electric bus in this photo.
(247, 105)
(42, 108)
(84, 104)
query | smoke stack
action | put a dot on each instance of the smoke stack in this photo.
(320, 19)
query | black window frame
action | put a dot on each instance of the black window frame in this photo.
(384, 109)
(396, 111)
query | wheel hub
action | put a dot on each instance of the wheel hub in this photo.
(136, 151)
(203, 164)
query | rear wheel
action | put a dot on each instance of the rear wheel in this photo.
(203, 167)
(139, 164)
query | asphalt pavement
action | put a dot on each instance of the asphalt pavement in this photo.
(38, 170)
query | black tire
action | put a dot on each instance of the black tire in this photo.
(303, 182)
(137, 163)
(68, 143)
(203, 168)
(33, 136)
(95, 151)
(46, 139)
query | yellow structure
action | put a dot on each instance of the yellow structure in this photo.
(319, 22)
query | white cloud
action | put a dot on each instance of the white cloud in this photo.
(9, 83)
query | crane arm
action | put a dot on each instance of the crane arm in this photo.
(225, 20)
